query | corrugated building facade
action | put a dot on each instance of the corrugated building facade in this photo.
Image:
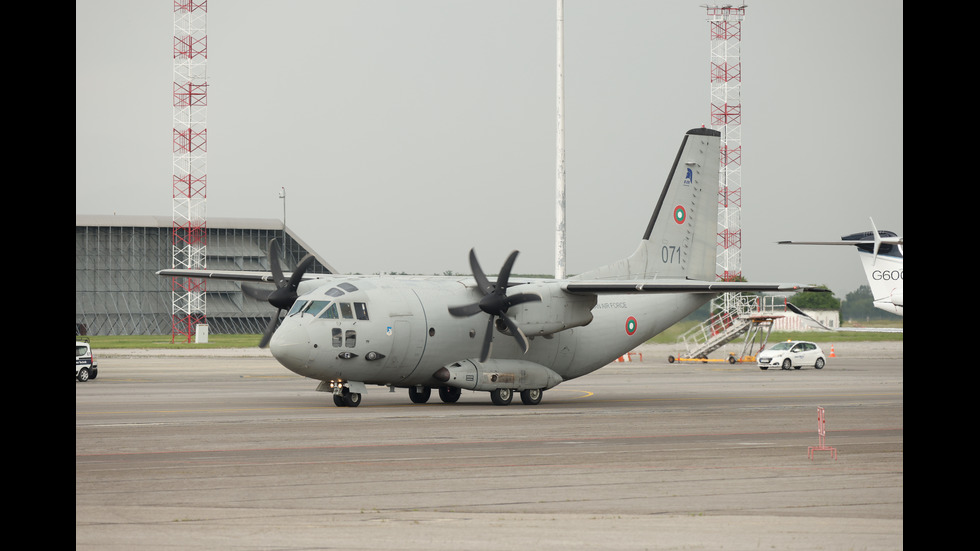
(117, 291)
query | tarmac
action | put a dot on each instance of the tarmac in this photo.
(225, 449)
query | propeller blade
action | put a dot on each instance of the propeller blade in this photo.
(465, 311)
(274, 265)
(487, 341)
(256, 292)
(269, 330)
(504, 274)
(481, 278)
(297, 275)
(519, 335)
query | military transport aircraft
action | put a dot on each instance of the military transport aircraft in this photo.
(882, 255)
(510, 335)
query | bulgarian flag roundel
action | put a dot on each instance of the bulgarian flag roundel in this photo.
(679, 214)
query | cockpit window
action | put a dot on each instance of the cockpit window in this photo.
(316, 306)
(297, 306)
(360, 309)
(345, 311)
(347, 287)
(334, 292)
(330, 313)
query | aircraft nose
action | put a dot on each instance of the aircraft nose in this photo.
(290, 346)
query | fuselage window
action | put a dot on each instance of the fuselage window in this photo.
(350, 338)
(345, 311)
(347, 287)
(360, 309)
(297, 306)
(334, 292)
(330, 313)
(338, 337)
(316, 306)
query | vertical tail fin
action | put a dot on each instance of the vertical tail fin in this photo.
(681, 238)
(882, 255)
(883, 261)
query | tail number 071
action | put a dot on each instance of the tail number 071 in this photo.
(670, 254)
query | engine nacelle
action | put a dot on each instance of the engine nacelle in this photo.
(493, 374)
(556, 311)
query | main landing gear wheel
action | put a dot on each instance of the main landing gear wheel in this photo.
(531, 396)
(501, 396)
(449, 394)
(347, 399)
(419, 395)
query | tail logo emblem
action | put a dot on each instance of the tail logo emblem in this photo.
(689, 177)
(679, 214)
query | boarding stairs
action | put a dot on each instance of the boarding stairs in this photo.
(744, 315)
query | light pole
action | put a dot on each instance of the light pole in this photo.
(282, 195)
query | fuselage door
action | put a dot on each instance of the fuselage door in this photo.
(406, 329)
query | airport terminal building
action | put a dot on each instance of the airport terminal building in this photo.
(117, 291)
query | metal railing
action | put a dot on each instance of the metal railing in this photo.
(726, 325)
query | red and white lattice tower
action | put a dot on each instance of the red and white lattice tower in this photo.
(726, 116)
(190, 148)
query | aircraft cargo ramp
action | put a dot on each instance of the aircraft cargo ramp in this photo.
(751, 316)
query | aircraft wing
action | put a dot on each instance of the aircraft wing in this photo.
(817, 325)
(232, 275)
(678, 286)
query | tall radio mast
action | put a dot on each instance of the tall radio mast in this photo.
(726, 117)
(190, 147)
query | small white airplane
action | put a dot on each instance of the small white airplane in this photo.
(881, 254)
(421, 333)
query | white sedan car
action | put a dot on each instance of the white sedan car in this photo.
(793, 354)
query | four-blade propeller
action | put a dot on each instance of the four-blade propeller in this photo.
(495, 302)
(284, 295)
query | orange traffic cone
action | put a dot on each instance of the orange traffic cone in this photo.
(832, 355)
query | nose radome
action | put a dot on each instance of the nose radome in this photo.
(290, 346)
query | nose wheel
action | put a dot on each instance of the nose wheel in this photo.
(347, 399)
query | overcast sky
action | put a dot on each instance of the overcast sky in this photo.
(406, 132)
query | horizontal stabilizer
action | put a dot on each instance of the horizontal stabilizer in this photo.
(680, 286)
